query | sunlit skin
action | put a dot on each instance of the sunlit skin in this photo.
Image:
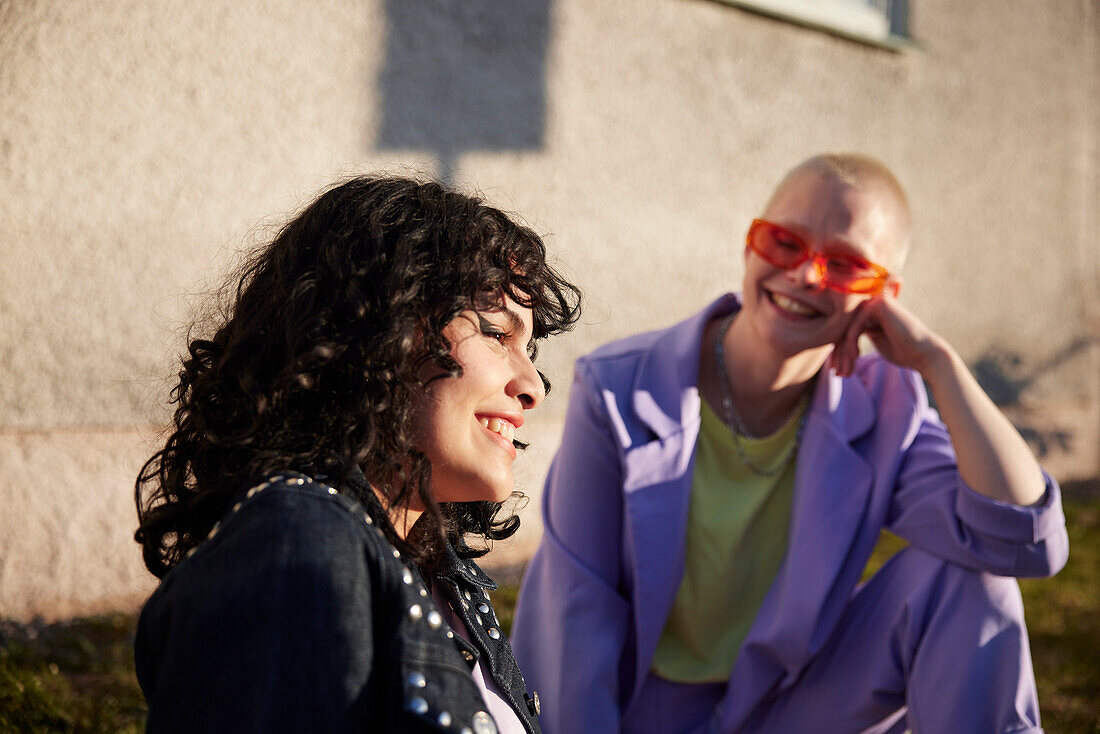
(789, 322)
(465, 424)
(791, 326)
(790, 312)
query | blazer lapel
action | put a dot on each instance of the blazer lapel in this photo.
(832, 490)
(657, 475)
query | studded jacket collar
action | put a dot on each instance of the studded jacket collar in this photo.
(466, 587)
(239, 636)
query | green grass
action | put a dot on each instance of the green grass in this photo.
(1063, 616)
(504, 603)
(1063, 619)
(72, 677)
(78, 676)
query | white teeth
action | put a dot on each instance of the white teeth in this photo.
(789, 304)
(500, 427)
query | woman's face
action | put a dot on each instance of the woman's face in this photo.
(791, 310)
(465, 425)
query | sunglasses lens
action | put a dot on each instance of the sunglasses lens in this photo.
(852, 275)
(839, 272)
(776, 245)
(859, 285)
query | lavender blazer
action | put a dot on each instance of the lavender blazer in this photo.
(600, 587)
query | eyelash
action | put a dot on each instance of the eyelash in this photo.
(502, 336)
(492, 331)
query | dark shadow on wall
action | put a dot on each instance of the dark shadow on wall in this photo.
(463, 75)
(1005, 378)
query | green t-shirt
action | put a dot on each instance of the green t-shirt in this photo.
(736, 540)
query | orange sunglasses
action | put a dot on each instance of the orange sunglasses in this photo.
(839, 271)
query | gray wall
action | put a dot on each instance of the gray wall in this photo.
(144, 144)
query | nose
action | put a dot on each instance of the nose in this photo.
(527, 383)
(810, 273)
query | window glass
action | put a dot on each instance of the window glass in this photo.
(883, 21)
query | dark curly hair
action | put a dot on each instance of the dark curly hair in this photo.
(316, 361)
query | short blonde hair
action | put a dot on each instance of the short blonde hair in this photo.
(864, 173)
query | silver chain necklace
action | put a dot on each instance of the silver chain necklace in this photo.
(733, 419)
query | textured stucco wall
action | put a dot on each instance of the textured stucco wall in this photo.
(143, 144)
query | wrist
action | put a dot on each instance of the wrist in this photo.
(937, 359)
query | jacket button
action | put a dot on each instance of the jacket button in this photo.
(418, 706)
(533, 704)
(483, 608)
(467, 656)
(483, 723)
(494, 633)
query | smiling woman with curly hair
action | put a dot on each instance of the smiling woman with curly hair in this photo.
(337, 440)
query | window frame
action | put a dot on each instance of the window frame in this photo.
(897, 38)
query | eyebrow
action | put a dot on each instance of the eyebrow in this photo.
(517, 323)
(829, 247)
(843, 247)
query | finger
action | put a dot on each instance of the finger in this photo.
(879, 340)
(838, 357)
(856, 327)
(841, 347)
(892, 333)
(863, 319)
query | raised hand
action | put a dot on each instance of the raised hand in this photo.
(992, 457)
(896, 332)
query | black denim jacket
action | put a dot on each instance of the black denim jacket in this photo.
(297, 615)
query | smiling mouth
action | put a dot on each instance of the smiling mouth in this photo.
(791, 306)
(502, 428)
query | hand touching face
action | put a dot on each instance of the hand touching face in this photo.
(897, 334)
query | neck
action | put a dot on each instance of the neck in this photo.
(401, 517)
(764, 385)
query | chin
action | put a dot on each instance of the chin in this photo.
(502, 494)
(791, 345)
(482, 490)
